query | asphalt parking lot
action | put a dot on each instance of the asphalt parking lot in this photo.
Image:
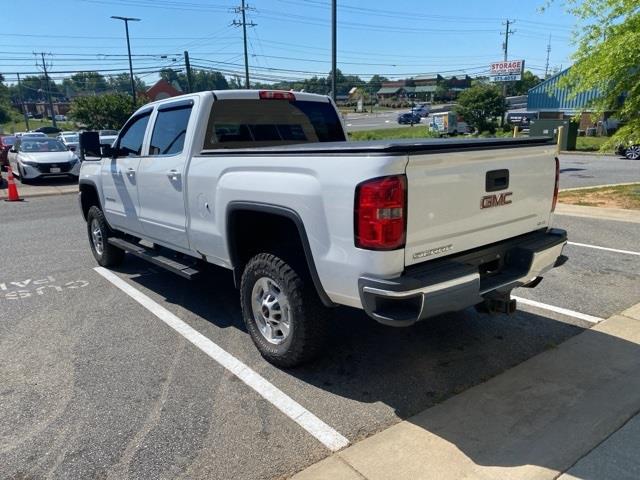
(94, 385)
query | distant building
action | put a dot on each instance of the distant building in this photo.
(551, 100)
(423, 88)
(161, 90)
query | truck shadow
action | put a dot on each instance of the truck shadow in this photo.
(436, 358)
(529, 421)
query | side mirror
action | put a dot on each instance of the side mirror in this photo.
(89, 145)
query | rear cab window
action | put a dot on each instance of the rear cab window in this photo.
(260, 123)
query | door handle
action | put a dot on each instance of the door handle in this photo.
(174, 174)
(131, 171)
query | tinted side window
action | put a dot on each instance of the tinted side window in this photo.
(169, 131)
(130, 142)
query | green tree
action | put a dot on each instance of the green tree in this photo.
(83, 83)
(110, 110)
(375, 82)
(480, 105)
(122, 84)
(521, 87)
(5, 102)
(607, 59)
(34, 89)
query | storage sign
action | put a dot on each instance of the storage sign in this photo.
(506, 71)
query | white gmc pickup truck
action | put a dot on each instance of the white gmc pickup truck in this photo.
(265, 183)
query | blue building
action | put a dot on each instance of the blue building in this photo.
(551, 100)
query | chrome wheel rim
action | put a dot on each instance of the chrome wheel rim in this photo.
(96, 237)
(633, 153)
(271, 310)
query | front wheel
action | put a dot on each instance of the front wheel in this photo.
(282, 313)
(633, 152)
(99, 232)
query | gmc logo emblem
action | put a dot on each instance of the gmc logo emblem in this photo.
(490, 201)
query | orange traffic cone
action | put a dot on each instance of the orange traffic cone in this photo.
(12, 189)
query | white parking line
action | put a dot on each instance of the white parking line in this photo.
(329, 437)
(626, 252)
(563, 311)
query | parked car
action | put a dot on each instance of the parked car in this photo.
(32, 158)
(409, 118)
(107, 137)
(630, 151)
(30, 134)
(48, 129)
(422, 109)
(70, 140)
(61, 118)
(6, 142)
(265, 184)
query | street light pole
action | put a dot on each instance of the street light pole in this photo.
(126, 21)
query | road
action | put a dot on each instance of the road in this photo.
(383, 119)
(93, 385)
(373, 121)
(580, 170)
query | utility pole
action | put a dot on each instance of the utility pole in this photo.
(126, 21)
(505, 46)
(187, 65)
(243, 23)
(546, 66)
(48, 88)
(24, 111)
(334, 48)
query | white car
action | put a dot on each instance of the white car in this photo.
(107, 137)
(71, 140)
(32, 158)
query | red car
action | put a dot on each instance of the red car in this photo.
(6, 142)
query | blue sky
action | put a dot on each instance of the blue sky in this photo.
(291, 38)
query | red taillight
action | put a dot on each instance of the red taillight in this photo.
(380, 213)
(555, 190)
(276, 95)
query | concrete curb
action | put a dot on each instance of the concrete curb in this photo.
(534, 421)
(618, 214)
(598, 186)
(588, 152)
(42, 191)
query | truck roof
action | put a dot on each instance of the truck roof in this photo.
(253, 94)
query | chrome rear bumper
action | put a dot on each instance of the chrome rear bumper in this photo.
(456, 282)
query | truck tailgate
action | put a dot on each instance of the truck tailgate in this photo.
(458, 201)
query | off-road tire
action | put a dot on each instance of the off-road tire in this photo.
(111, 255)
(308, 317)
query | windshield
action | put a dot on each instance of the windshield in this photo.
(70, 138)
(8, 140)
(40, 146)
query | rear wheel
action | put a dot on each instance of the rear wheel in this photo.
(99, 232)
(633, 152)
(283, 315)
